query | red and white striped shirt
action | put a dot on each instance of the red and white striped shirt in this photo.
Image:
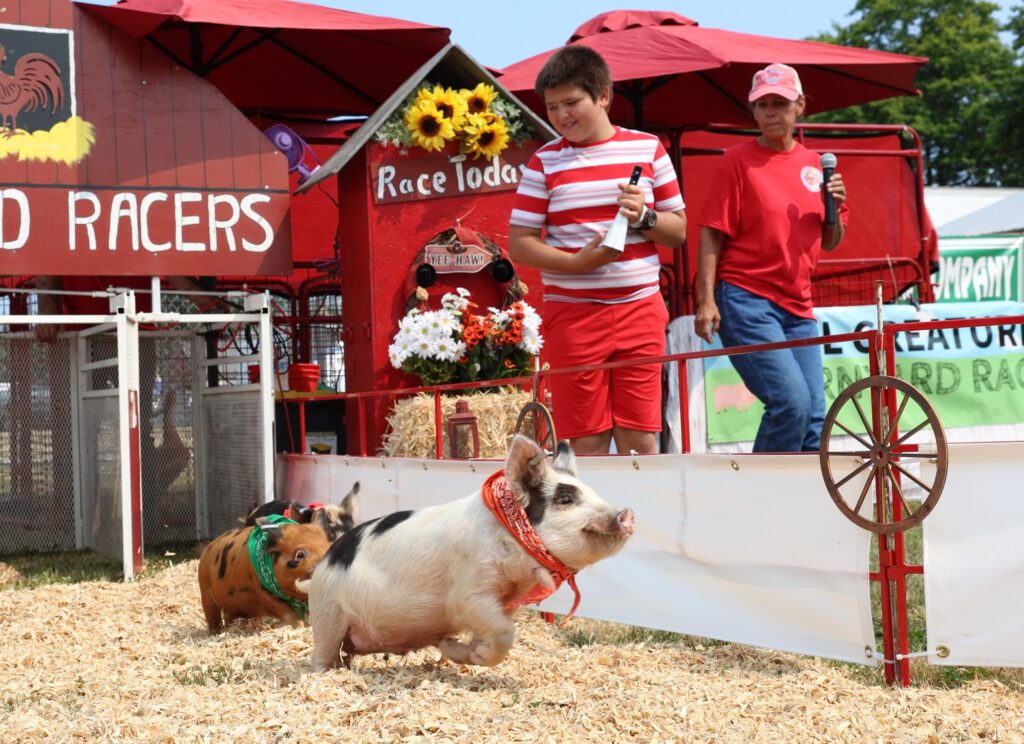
(572, 192)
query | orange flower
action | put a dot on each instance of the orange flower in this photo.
(509, 364)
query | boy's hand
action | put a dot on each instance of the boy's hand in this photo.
(593, 255)
(631, 201)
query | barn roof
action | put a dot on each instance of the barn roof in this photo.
(455, 68)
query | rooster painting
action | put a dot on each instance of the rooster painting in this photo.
(36, 79)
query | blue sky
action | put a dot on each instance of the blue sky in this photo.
(497, 34)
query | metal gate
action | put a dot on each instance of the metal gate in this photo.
(114, 439)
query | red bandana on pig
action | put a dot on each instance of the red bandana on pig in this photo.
(505, 506)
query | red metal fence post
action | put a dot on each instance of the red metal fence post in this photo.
(438, 441)
(885, 556)
(684, 406)
(898, 567)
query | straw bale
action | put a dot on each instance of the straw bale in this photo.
(411, 423)
(105, 662)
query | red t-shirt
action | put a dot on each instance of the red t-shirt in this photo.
(768, 204)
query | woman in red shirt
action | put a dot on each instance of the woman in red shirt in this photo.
(762, 230)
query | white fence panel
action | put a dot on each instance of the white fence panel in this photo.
(974, 559)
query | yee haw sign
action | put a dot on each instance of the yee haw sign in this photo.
(104, 171)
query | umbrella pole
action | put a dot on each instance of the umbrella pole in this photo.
(680, 254)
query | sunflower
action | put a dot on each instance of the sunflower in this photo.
(485, 135)
(427, 126)
(479, 99)
(451, 105)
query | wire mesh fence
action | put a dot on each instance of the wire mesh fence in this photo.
(37, 493)
(323, 324)
(60, 441)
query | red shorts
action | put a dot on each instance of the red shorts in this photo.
(589, 403)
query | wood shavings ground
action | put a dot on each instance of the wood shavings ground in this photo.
(109, 662)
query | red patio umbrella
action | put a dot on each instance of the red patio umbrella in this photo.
(278, 57)
(671, 73)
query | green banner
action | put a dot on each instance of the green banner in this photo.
(971, 376)
(984, 269)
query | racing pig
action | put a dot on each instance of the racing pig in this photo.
(416, 579)
(232, 587)
(335, 519)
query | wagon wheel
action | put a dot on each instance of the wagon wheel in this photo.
(883, 455)
(543, 425)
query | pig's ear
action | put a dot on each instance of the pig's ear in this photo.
(565, 459)
(525, 466)
(272, 531)
(350, 504)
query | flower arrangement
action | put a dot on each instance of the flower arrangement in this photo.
(454, 344)
(482, 121)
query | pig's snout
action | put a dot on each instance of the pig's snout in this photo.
(625, 522)
(618, 526)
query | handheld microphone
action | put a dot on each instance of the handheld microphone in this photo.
(616, 235)
(828, 168)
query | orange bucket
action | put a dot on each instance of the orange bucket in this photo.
(303, 378)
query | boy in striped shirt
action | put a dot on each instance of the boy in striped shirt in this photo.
(599, 305)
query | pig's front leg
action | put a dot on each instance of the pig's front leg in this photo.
(493, 632)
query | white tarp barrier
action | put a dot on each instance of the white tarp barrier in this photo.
(742, 548)
(974, 559)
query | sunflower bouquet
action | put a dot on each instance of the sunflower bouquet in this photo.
(479, 119)
(456, 344)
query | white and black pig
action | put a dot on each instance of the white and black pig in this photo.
(416, 579)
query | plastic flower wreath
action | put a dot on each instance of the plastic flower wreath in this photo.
(482, 121)
(455, 344)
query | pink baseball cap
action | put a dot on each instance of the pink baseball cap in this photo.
(777, 78)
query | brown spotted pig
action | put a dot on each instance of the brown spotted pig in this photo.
(229, 584)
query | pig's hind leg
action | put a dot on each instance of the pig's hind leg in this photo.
(493, 633)
(211, 610)
(330, 632)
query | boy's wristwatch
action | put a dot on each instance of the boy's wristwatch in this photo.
(646, 222)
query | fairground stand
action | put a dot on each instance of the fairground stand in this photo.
(729, 545)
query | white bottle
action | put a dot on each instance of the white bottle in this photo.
(615, 238)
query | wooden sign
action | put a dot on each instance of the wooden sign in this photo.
(113, 160)
(457, 258)
(415, 174)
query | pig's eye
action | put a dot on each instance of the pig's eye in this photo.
(565, 495)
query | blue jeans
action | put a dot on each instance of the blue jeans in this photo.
(789, 382)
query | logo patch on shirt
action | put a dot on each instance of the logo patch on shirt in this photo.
(811, 178)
